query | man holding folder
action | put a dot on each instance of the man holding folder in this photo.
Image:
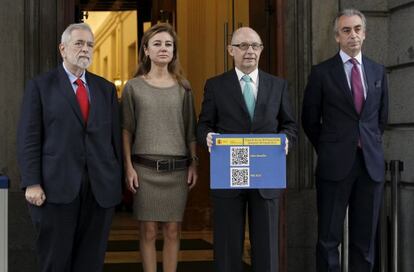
(245, 100)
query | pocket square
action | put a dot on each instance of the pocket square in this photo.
(378, 84)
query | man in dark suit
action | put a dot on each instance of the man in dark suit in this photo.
(245, 100)
(69, 151)
(344, 114)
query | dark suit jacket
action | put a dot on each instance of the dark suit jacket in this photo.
(332, 124)
(224, 111)
(55, 147)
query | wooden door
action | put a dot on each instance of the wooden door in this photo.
(205, 29)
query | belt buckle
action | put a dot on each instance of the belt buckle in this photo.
(161, 163)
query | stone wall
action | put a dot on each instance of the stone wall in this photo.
(400, 133)
(20, 238)
(389, 41)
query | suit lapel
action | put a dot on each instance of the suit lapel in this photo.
(338, 73)
(93, 98)
(262, 91)
(65, 87)
(370, 78)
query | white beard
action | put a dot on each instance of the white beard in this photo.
(80, 62)
(84, 63)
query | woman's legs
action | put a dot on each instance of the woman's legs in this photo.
(171, 233)
(148, 235)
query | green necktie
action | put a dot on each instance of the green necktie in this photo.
(248, 95)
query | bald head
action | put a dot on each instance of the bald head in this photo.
(245, 48)
(244, 31)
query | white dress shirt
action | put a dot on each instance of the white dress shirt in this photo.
(73, 78)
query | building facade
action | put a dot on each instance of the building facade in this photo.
(30, 32)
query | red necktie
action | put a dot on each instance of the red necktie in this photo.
(357, 88)
(83, 100)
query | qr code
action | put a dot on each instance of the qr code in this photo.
(240, 177)
(239, 156)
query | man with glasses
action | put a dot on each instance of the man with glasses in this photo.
(69, 151)
(245, 100)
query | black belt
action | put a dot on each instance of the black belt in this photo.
(162, 165)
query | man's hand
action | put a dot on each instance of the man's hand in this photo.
(287, 146)
(209, 140)
(35, 195)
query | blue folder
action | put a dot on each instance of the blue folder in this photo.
(248, 161)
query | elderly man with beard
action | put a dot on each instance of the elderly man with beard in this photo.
(69, 151)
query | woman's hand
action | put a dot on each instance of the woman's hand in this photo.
(131, 179)
(192, 175)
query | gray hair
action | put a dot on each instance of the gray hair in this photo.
(349, 13)
(66, 35)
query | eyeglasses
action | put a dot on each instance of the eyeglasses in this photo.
(245, 46)
(81, 43)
